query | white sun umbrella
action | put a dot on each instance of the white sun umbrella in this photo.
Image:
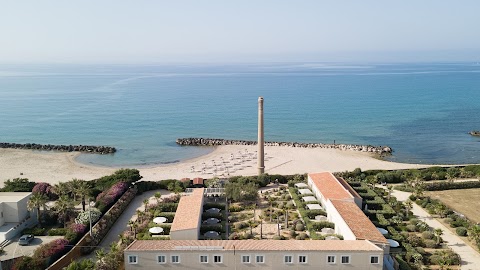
(156, 230)
(160, 220)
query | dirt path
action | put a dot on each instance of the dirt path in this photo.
(470, 258)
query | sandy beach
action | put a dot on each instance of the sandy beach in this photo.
(227, 160)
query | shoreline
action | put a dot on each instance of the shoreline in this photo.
(223, 161)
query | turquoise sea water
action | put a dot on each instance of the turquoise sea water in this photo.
(423, 111)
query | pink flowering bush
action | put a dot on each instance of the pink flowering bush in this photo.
(43, 188)
(107, 198)
(78, 228)
(50, 252)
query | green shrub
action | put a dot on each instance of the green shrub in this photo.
(299, 226)
(445, 257)
(301, 236)
(292, 233)
(318, 226)
(427, 235)
(415, 241)
(235, 208)
(35, 231)
(430, 243)
(411, 228)
(462, 231)
(58, 232)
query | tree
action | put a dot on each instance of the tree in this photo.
(83, 190)
(261, 227)
(62, 189)
(145, 202)
(64, 207)
(36, 202)
(438, 232)
(241, 191)
(18, 185)
(74, 184)
(408, 206)
(250, 224)
(271, 200)
(82, 265)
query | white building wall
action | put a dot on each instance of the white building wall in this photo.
(341, 226)
(273, 260)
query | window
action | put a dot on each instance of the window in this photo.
(245, 258)
(175, 259)
(217, 258)
(161, 259)
(302, 259)
(374, 260)
(132, 259)
(345, 259)
(259, 259)
(287, 259)
(331, 259)
(204, 258)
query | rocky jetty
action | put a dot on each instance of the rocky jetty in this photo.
(381, 150)
(63, 148)
(475, 133)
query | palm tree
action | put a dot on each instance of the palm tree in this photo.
(74, 184)
(158, 195)
(82, 190)
(438, 232)
(61, 189)
(271, 200)
(36, 202)
(145, 202)
(250, 224)
(408, 206)
(64, 207)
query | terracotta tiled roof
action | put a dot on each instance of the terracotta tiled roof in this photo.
(357, 221)
(188, 211)
(198, 181)
(252, 245)
(329, 186)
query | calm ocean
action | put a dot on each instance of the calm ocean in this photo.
(423, 111)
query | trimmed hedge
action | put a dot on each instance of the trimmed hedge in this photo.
(451, 185)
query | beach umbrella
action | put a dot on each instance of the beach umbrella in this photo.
(393, 243)
(382, 230)
(156, 230)
(160, 220)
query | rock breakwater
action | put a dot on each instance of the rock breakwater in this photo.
(63, 148)
(381, 150)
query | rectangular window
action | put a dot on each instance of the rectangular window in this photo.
(161, 259)
(217, 258)
(245, 258)
(374, 260)
(331, 259)
(175, 259)
(132, 259)
(345, 259)
(203, 258)
(259, 259)
(302, 259)
(287, 259)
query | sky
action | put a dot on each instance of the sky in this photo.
(156, 31)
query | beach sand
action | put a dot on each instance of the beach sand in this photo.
(54, 167)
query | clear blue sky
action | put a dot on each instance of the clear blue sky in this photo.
(154, 31)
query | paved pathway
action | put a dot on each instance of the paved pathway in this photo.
(470, 257)
(129, 214)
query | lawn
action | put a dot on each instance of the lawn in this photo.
(465, 201)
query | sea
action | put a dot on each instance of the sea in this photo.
(424, 111)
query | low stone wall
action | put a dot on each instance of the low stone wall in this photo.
(62, 148)
(382, 150)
